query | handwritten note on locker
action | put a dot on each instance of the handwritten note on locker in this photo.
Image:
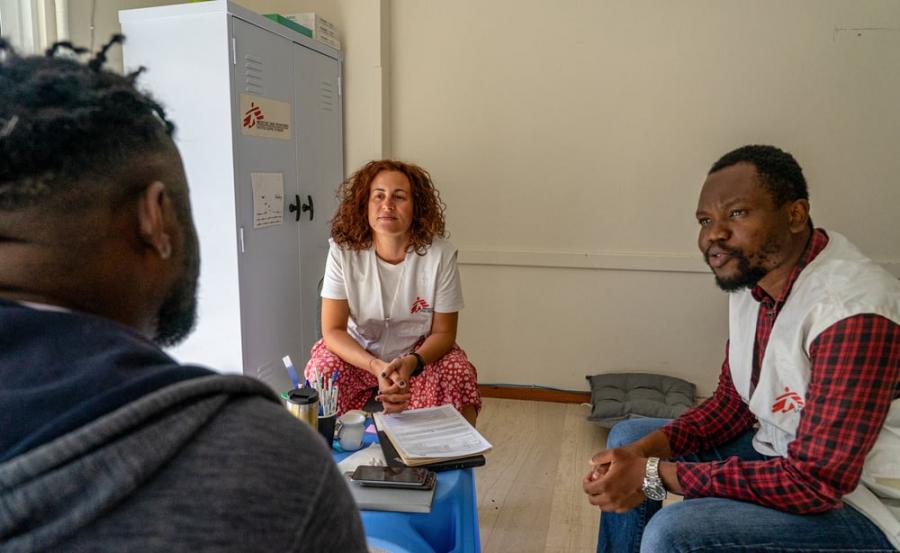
(268, 199)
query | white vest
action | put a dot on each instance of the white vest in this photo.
(839, 283)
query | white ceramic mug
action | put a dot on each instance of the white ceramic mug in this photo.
(349, 430)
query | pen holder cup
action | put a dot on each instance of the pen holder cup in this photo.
(326, 428)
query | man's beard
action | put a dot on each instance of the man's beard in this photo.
(748, 274)
(178, 313)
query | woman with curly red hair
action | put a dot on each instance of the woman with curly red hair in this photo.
(391, 297)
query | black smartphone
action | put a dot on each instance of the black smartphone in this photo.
(393, 477)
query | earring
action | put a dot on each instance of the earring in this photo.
(165, 250)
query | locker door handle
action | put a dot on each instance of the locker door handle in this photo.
(297, 207)
(308, 207)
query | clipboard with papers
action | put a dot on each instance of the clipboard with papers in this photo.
(438, 438)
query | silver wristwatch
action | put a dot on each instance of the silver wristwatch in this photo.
(653, 485)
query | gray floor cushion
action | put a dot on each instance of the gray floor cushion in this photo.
(620, 396)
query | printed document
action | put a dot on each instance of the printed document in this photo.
(423, 436)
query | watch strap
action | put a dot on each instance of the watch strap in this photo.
(420, 363)
(653, 486)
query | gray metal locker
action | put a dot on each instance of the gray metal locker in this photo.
(258, 111)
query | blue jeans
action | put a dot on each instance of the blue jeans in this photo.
(713, 524)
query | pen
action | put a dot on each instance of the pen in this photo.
(292, 372)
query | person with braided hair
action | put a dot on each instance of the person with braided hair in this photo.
(106, 442)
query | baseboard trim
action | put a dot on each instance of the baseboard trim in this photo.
(534, 393)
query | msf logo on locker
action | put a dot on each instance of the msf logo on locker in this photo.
(253, 116)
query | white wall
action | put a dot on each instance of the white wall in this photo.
(587, 128)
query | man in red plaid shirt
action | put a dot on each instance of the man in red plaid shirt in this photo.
(798, 449)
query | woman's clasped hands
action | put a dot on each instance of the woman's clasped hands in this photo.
(393, 382)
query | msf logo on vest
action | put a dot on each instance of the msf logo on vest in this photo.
(420, 305)
(787, 402)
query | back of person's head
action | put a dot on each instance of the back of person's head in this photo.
(79, 148)
(778, 171)
(67, 128)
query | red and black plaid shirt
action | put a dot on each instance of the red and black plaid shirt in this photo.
(854, 377)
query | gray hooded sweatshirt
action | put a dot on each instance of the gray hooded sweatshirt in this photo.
(206, 464)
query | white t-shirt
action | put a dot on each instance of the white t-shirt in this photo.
(392, 306)
(389, 274)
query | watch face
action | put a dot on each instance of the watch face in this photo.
(654, 490)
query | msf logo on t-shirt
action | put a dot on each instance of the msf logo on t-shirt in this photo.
(787, 402)
(253, 115)
(420, 305)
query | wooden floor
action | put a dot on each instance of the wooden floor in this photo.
(529, 492)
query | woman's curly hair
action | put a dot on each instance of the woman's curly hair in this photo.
(350, 225)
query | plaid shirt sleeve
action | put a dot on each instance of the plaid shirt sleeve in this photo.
(855, 376)
(718, 420)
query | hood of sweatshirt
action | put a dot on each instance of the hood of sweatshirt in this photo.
(56, 488)
(89, 412)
